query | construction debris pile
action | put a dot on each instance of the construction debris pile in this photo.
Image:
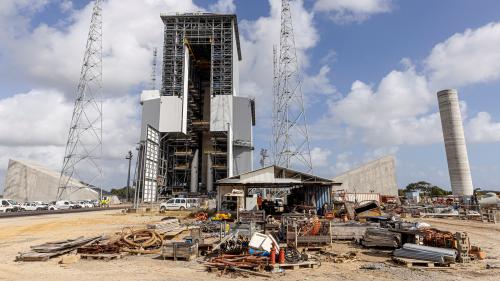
(256, 244)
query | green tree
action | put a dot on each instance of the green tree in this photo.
(122, 192)
(427, 188)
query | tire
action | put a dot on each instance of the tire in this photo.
(163, 209)
(182, 208)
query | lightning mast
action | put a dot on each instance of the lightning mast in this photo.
(153, 70)
(290, 134)
(84, 144)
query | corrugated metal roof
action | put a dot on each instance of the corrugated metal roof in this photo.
(274, 174)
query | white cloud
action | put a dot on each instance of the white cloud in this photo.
(66, 5)
(257, 40)
(466, 58)
(393, 114)
(51, 56)
(34, 118)
(319, 83)
(35, 127)
(402, 109)
(223, 7)
(343, 162)
(320, 157)
(482, 129)
(348, 11)
(35, 124)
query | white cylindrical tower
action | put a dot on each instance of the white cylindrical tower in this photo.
(454, 141)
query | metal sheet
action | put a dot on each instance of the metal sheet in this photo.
(361, 197)
(242, 119)
(185, 92)
(171, 115)
(151, 164)
(221, 111)
(150, 115)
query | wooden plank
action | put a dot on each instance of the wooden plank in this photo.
(307, 264)
(419, 263)
(101, 256)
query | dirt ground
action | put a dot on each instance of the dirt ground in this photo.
(18, 234)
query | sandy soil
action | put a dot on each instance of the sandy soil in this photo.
(17, 234)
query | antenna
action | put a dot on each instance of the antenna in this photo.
(290, 135)
(153, 70)
(84, 144)
(263, 156)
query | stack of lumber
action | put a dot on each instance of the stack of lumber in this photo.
(49, 250)
(381, 237)
(165, 226)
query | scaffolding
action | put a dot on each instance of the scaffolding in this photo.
(209, 29)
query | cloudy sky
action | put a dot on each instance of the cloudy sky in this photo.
(371, 70)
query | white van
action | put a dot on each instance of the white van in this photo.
(174, 204)
(9, 205)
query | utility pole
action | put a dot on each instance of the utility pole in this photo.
(129, 158)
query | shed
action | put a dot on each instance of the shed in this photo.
(317, 190)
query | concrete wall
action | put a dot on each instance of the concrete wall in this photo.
(242, 160)
(378, 176)
(31, 182)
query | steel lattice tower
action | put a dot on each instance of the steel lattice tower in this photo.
(290, 135)
(84, 144)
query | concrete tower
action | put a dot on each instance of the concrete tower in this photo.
(454, 141)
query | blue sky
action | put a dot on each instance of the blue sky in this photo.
(371, 71)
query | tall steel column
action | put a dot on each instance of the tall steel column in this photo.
(454, 141)
(290, 134)
(84, 144)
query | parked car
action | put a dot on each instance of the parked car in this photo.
(10, 205)
(41, 203)
(52, 206)
(75, 205)
(34, 206)
(64, 205)
(85, 204)
(95, 203)
(174, 204)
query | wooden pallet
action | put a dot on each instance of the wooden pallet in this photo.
(106, 257)
(306, 264)
(311, 249)
(184, 258)
(420, 263)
